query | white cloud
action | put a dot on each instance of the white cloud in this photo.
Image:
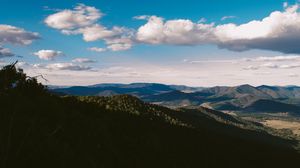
(14, 35)
(62, 66)
(5, 52)
(97, 49)
(119, 47)
(141, 17)
(273, 62)
(83, 20)
(289, 66)
(83, 60)
(119, 44)
(22, 64)
(280, 31)
(80, 16)
(183, 32)
(281, 66)
(251, 67)
(227, 17)
(207, 74)
(68, 66)
(96, 32)
(277, 58)
(277, 23)
(47, 54)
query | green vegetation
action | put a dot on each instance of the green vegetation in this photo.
(41, 129)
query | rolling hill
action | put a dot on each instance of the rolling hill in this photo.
(244, 98)
(288, 92)
(236, 92)
(136, 89)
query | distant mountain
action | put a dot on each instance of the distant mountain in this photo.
(136, 89)
(236, 92)
(186, 89)
(281, 92)
(262, 99)
(107, 85)
(244, 98)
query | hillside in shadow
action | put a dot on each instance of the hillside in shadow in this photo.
(41, 129)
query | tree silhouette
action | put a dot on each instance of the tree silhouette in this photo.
(13, 79)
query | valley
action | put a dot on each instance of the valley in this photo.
(294, 126)
(274, 107)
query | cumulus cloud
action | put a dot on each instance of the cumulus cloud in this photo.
(97, 49)
(180, 32)
(14, 35)
(119, 44)
(83, 60)
(5, 52)
(96, 32)
(83, 20)
(80, 16)
(47, 54)
(63, 66)
(280, 31)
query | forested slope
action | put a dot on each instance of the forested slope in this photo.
(39, 129)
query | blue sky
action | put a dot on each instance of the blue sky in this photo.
(195, 43)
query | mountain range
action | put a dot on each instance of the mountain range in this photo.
(243, 98)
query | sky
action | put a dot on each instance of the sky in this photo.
(187, 42)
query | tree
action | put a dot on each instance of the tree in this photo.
(13, 79)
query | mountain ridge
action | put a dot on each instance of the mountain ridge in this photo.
(238, 98)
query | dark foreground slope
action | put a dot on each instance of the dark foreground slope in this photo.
(43, 130)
